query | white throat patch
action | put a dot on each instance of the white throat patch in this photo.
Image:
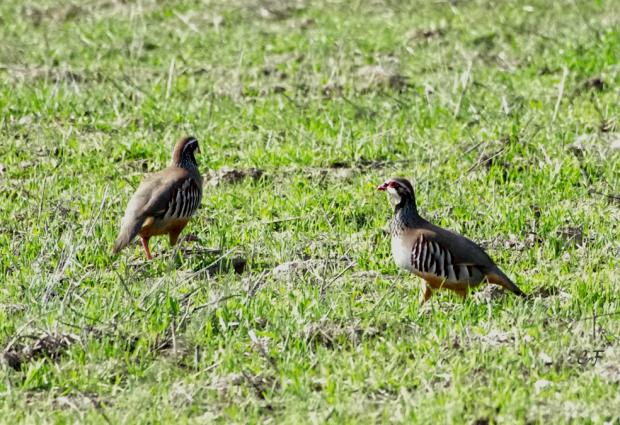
(393, 196)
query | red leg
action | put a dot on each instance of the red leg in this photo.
(145, 244)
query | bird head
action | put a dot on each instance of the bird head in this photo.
(184, 150)
(398, 190)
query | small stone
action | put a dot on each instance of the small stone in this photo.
(545, 359)
(541, 385)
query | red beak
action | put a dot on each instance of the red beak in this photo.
(382, 187)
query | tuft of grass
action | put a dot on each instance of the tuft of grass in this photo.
(289, 308)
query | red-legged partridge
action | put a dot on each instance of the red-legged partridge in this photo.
(442, 258)
(165, 201)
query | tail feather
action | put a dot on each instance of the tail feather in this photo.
(499, 278)
(129, 230)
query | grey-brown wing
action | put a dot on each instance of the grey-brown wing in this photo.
(437, 257)
(163, 189)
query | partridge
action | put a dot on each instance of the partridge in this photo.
(443, 259)
(165, 201)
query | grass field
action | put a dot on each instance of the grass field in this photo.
(289, 309)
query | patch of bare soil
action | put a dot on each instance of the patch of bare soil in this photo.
(78, 401)
(231, 387)
(236, 263)
(75, 400)
(228, 175)
(496, 338)
(370, 275)
(608, 368)
(261, 383)
(331, 90)
(513, 242)
(273, 10)
(600, 142)
(296, 267)
(12, 308)
(324, 173)
(335, 335)
(222, 383)
(27, 348)
(490, 293)
(323, 272)
(542, 385)
(591, 84)
(615, 144)
(614, 199)
(425, 34)
(317, 267)
(371, 77)
(183, 394)
(37, 15)
(571, 235)
(550, 292)
(58, 74)
(338, 170)
(47, 345)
